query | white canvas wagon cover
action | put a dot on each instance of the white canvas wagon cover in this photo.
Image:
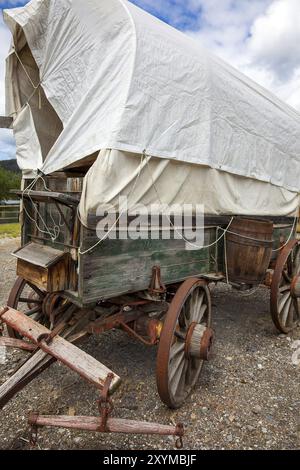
(107, 75)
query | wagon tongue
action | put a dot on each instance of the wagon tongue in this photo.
(47, 346)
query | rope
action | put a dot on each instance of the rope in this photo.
(34, 86)
(26, 72)
(120, 215)
(290, 236)
(175, 229)
(54, 232)
(225, 260)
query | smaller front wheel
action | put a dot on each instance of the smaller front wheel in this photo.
(28, 299)
(185, 342)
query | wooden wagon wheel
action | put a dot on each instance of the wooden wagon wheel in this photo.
(28, 299)
(184, 343)
(284, 296)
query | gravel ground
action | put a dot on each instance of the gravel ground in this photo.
(247, 396)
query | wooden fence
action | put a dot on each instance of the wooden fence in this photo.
(9, 214)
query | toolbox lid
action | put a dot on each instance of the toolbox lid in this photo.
(39, 255)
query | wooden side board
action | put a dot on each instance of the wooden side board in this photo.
(117, 267)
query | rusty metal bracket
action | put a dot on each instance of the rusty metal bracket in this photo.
(33, 435)
(105, 403)
(135, 335)
(179, 432)
(48, 338)
(156, 284)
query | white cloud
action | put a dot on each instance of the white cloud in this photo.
(275, 38)
(273, 50)
(225, 26)
(260, 38)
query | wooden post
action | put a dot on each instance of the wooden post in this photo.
(6, 122)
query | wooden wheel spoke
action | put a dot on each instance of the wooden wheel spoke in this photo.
(175, 366)
(193, 364)
(296, 313)
(30, 301)
(291, 313)
(37, 290)
(297, 310)
(285, 311)
(32, 311)
(202, 313)
(283, 300)
(179, 378)
(176, 349)
(184, 318)
(287, 277)
(286, 287)
(198, 300)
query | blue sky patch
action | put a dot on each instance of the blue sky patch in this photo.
(173, 12)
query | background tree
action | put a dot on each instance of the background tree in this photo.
(8, 180)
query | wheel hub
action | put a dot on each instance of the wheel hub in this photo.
(198, 341)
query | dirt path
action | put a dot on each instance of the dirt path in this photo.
(247, 396)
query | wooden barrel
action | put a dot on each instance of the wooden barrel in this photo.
(248, 250)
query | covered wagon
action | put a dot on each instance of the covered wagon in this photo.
(109, 104)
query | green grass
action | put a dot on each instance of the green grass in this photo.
(9, 230)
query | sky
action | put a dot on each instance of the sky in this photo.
(259, 37)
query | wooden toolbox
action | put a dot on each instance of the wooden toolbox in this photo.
(43, 266)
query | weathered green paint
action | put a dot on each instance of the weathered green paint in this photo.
(117, 267)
